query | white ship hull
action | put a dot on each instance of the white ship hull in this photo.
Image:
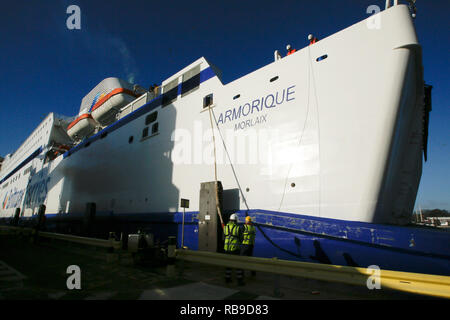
(345, 130)
(323, 148)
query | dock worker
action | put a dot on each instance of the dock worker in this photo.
(155, 89)
(232, 234)
(289, 50)
(248, 239)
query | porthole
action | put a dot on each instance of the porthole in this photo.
(322, 57)
(274, 79)
(130, 139)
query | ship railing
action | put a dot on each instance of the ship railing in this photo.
(424, 284)
(135, 104)
(276, 55)
(388, 3)
(411, 4)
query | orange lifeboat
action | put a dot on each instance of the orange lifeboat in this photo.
(106, 99)
(81, 127)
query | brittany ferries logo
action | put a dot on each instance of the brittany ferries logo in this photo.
(256, 109)
(5, 201)
(97, 97)
(12, 199)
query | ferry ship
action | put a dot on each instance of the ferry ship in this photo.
(322, 148)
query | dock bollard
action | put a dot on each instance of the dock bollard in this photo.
(41, 218)
(40, 224)
(111, 238)
(89, 217)
(277, 290)
(170, 271)
(15, 221)
(112, 255)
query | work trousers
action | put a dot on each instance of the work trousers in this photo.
(229, 271)
(247, 250)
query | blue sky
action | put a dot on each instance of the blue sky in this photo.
(46, 67)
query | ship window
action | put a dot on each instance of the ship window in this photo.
(170, 92)
(155, 128)
(151, 118)
(191, 81)
(236, 96)
(208, 100)
(274, 79)
(27, 170)
(145, 132)
(322, 57)
(130, 139)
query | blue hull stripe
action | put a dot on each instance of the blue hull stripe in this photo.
(305, 238)
(360, 233)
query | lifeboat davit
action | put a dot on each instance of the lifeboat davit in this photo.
(83, 126)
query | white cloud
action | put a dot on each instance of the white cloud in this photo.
(128, 62)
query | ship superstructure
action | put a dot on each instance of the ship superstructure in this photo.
(47, 142)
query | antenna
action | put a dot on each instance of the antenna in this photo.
(412, 7)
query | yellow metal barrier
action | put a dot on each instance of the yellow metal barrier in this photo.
(83, 240)
(425, 284)
(110, 243)
(14, 230)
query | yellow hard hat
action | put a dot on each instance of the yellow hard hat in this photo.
(248, 219)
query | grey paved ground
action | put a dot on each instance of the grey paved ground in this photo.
(31, 271)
